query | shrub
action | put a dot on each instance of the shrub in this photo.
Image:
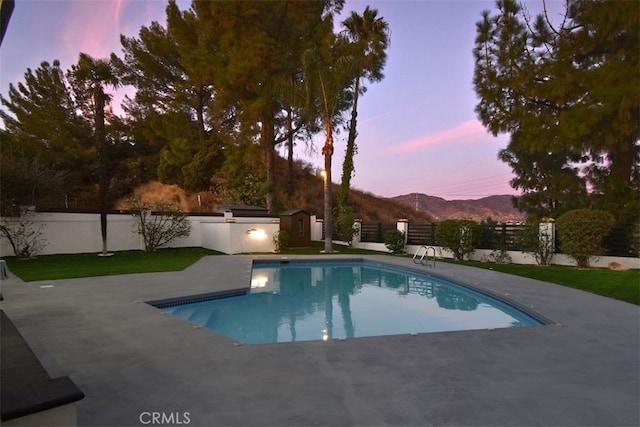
(460, 236)
(159, 223)
(635, 240)
(581, 232)
(394, 240)
(21, 232)
(280, 240)
(532, 242)
(489, 238)
(500, 255)
(345, 225)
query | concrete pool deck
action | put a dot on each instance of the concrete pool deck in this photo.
(131, 360)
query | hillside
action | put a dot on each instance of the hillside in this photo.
(308, 195)
(498, 208)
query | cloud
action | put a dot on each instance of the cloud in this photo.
(98, 30)
(117, 15)
(463, 131)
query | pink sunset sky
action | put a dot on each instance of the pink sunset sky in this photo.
(417, 129)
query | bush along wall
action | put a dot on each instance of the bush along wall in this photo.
(537, 238)
(460, 236)
(581, 232)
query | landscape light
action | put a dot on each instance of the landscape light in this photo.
(256, 233)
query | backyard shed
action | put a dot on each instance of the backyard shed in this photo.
(298, 224)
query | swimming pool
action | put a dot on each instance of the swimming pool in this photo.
(309, 300)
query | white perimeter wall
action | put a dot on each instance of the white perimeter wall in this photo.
(516, 256)
(68, 233)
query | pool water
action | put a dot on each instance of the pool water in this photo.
(302, 301)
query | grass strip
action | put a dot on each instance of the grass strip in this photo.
(67, 266)
(621, 285)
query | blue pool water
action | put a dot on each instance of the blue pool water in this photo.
(302, 301)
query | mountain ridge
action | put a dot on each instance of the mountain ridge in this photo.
(496, 207)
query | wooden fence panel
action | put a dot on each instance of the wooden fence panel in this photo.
(498, 236)
(374, 232)
(421, 234)
(619, 242)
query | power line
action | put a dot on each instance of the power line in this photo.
(471, 186)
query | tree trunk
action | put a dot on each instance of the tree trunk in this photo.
(621, 157)
(327, 151)
(267, 136)
(202, 135)
(347, 166)
(289, 153)
(103, 179)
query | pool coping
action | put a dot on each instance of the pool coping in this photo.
(129, 358)
(192, 299)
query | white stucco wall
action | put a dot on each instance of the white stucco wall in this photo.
(67, 233)
(234, 238)
(316, 228)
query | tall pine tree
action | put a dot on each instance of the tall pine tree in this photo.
(43, 127)
(260, 44)
(567, 94)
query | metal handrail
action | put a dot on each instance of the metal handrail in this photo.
(422, 259)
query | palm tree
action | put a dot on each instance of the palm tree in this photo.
(369, 38)
(93, 74)
(328, 74)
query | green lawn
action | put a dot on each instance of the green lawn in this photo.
(622, 285)
(52, 267)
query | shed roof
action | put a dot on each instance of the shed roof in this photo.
(293, 212)
(246, 208)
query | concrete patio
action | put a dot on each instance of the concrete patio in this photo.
(132, 361)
